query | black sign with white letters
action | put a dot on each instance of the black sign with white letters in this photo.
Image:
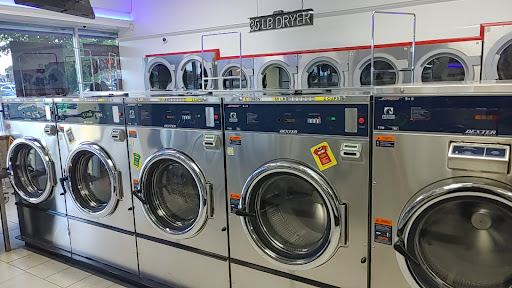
(282, 20)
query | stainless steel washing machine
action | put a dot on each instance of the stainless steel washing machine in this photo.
(34, 166)
(497, 53)
(323, 70)
(96, 177)
(276, 72)
(231, 68)
(297, 179)
(442, 187)
(177, 166)
(448, 62)
(190, 70)
(391, 66)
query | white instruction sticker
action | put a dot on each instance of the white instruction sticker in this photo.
(48, 112)
(115, 113)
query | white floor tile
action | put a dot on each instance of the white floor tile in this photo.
(48, 269)
(14, 254)
(29, 261)
(93, 281)
(68, 277)
(27, 280)
(8, 271)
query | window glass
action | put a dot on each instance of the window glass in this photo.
(505, 64)
(160, 77)
(230, 84)
(443, 68)
(323, 75)
(276, 77)
(30, 173)
(192, 76)
(101, 65)
(385, 74)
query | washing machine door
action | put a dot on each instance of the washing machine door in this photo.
(93, 180)
(291, 215)
(456, 234)
(176, 197)
(32, 171)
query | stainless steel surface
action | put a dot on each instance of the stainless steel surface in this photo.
(323, 70)
(472, 163)
(5, 228)
(459, 213)
(274, 66)
(208, 224)
(462, 89)
(497, 53)
(348, 183)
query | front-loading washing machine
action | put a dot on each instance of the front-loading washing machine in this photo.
(442, 188)
(297, 170)
(34, 166)
(96, 177)
(391, 66)
(448, 62)
(497, 52)
(323, 70)
(177, 166)
(231, 68)
(276, 72)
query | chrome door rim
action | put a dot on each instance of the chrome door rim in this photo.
(325, 191)
(200, 181)
(115, 181)
(48, 165)
(440, 191)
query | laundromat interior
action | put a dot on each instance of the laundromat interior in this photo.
(259, 143)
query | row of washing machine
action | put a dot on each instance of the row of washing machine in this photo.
(461, 61)
(410, 187)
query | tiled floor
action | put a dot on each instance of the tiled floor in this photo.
(24, 268)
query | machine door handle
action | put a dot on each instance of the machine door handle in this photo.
(243, 213)
(399, 247)
(62, 181)
(210, 196)
(138, 194)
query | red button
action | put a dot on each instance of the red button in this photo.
(120, 114)
(216, 117)
(361, 120)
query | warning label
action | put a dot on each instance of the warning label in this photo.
(323, 155)
(383, 231)
(235, 140)
(132, 134)
(136, 163)
(385, 141)
(70, 135)
(234, 200)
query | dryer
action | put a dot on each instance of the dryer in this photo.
(231, 68)
(34, 167)
(448, 62)
(297, 179)
(276, 72)
(390, 64)
(442, 193)
(189, 72)
(497, 53)
(177, 166)
(323, 70)
(96, 177)
(160, 72)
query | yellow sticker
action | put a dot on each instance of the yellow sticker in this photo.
(70, 135)
(231, 151)
(11, 140)
(323, 155)
(137, 160)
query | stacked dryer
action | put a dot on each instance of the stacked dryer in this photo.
(327, 70)
(497, 56)
(231, 68)
(276, 72)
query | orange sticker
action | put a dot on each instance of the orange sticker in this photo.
(235, 196)
(235, 138)
(385, 138)
(135, 181)
(383, 222)
(11, 140)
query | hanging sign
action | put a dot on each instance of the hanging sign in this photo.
(282, 20)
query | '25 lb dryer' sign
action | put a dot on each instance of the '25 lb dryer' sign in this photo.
(282, 20)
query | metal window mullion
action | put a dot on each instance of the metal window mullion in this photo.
(78, 61)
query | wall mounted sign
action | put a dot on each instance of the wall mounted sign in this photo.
(282, 20)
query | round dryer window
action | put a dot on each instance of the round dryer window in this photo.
(323, 75)
(505, 63)
(32, 171)
(192, 75)
(443, 68)
(290, 215)
(160, 77)
(173, 189)
(234, 83)
(460, 240)
(385, 73)
(276, 77)
(93, 180)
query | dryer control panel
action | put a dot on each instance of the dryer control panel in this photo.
(319, 119)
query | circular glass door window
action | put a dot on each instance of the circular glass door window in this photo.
(172, 196)
(385, 74)
(505, 64)
(30, 175)
(230, 84)
(276, 77)
(192, 75)
(443, 68)
(160, 77)
(323, 75)
(292, 218)
(463, 242)
(91, 183)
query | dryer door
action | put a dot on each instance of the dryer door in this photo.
(32, 172)
(291, 215)
(93, 180)
(456, 234)
(175, 194)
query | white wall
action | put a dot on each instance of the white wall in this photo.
(338, 23)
